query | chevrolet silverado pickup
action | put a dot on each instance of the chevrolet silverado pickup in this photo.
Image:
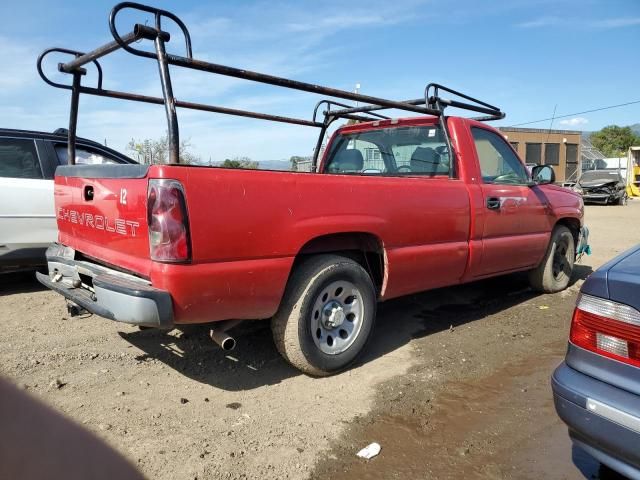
(392, 206)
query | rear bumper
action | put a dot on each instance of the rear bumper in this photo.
(106, 292)
(602, 419)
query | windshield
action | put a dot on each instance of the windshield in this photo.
(606, 176)
(417, 150)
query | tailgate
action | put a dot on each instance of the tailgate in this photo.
(101, 212)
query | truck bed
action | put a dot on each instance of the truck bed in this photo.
(248, 226)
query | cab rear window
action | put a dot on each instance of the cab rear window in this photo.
(409, 151)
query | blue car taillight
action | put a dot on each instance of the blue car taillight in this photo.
(608, 328)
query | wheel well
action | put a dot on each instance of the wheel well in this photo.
(364, 248)
(573, 224)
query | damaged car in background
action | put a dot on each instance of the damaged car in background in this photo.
(602, 186)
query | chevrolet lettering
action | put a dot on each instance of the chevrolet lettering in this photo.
(98, 222)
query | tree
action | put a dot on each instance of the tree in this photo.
(239, 162)
(149, 151)
(614, 141)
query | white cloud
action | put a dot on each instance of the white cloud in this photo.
(340, 22)
(540, 22)
(574, 122)
(20, 61)
(616, 22)
(605, 23)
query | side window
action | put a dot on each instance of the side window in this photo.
(371, 157)
(19, 159)
(373, 161)
(83, 156)
(498, 163)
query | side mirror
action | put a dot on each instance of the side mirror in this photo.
(543, 174)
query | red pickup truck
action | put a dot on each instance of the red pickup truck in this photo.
(394, 206)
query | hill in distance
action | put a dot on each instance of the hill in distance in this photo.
(274, 165)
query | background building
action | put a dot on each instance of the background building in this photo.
(559, 148)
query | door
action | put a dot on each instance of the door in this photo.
(515, 231)
(27, 219)
(400, 174)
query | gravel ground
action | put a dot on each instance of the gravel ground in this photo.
(454, 384)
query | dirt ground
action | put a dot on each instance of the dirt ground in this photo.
(455, 384)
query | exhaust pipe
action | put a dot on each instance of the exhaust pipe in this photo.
(225, 341)
(219, 335)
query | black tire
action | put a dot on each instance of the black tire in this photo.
(298, 315)
(554, 272)
(622, 200)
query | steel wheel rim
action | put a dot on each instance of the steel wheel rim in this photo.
(560, 258)
(337, 317)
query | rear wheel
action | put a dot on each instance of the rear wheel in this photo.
(326, 316)
(554, 272)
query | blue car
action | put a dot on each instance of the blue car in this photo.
(596, 389)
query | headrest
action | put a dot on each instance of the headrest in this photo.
(348, 161)
(427, 160)
(424, 154)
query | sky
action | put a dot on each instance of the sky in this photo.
(529, 57)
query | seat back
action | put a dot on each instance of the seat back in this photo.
(347, 161)
(426, 160)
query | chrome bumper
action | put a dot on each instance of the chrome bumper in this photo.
(106, 292)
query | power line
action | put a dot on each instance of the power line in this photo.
(578, 113)
(553, 117)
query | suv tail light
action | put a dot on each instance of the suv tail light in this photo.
(168, 222)
(607, 328)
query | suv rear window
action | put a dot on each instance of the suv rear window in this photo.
(83, 156)
(19, 159)
(409, 151)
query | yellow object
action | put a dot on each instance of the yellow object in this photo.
(632, 188)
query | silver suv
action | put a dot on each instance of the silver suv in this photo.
(28, 161)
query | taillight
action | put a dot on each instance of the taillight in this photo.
(608, 328)
(168, 222)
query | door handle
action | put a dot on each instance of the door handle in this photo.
(493, 203)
